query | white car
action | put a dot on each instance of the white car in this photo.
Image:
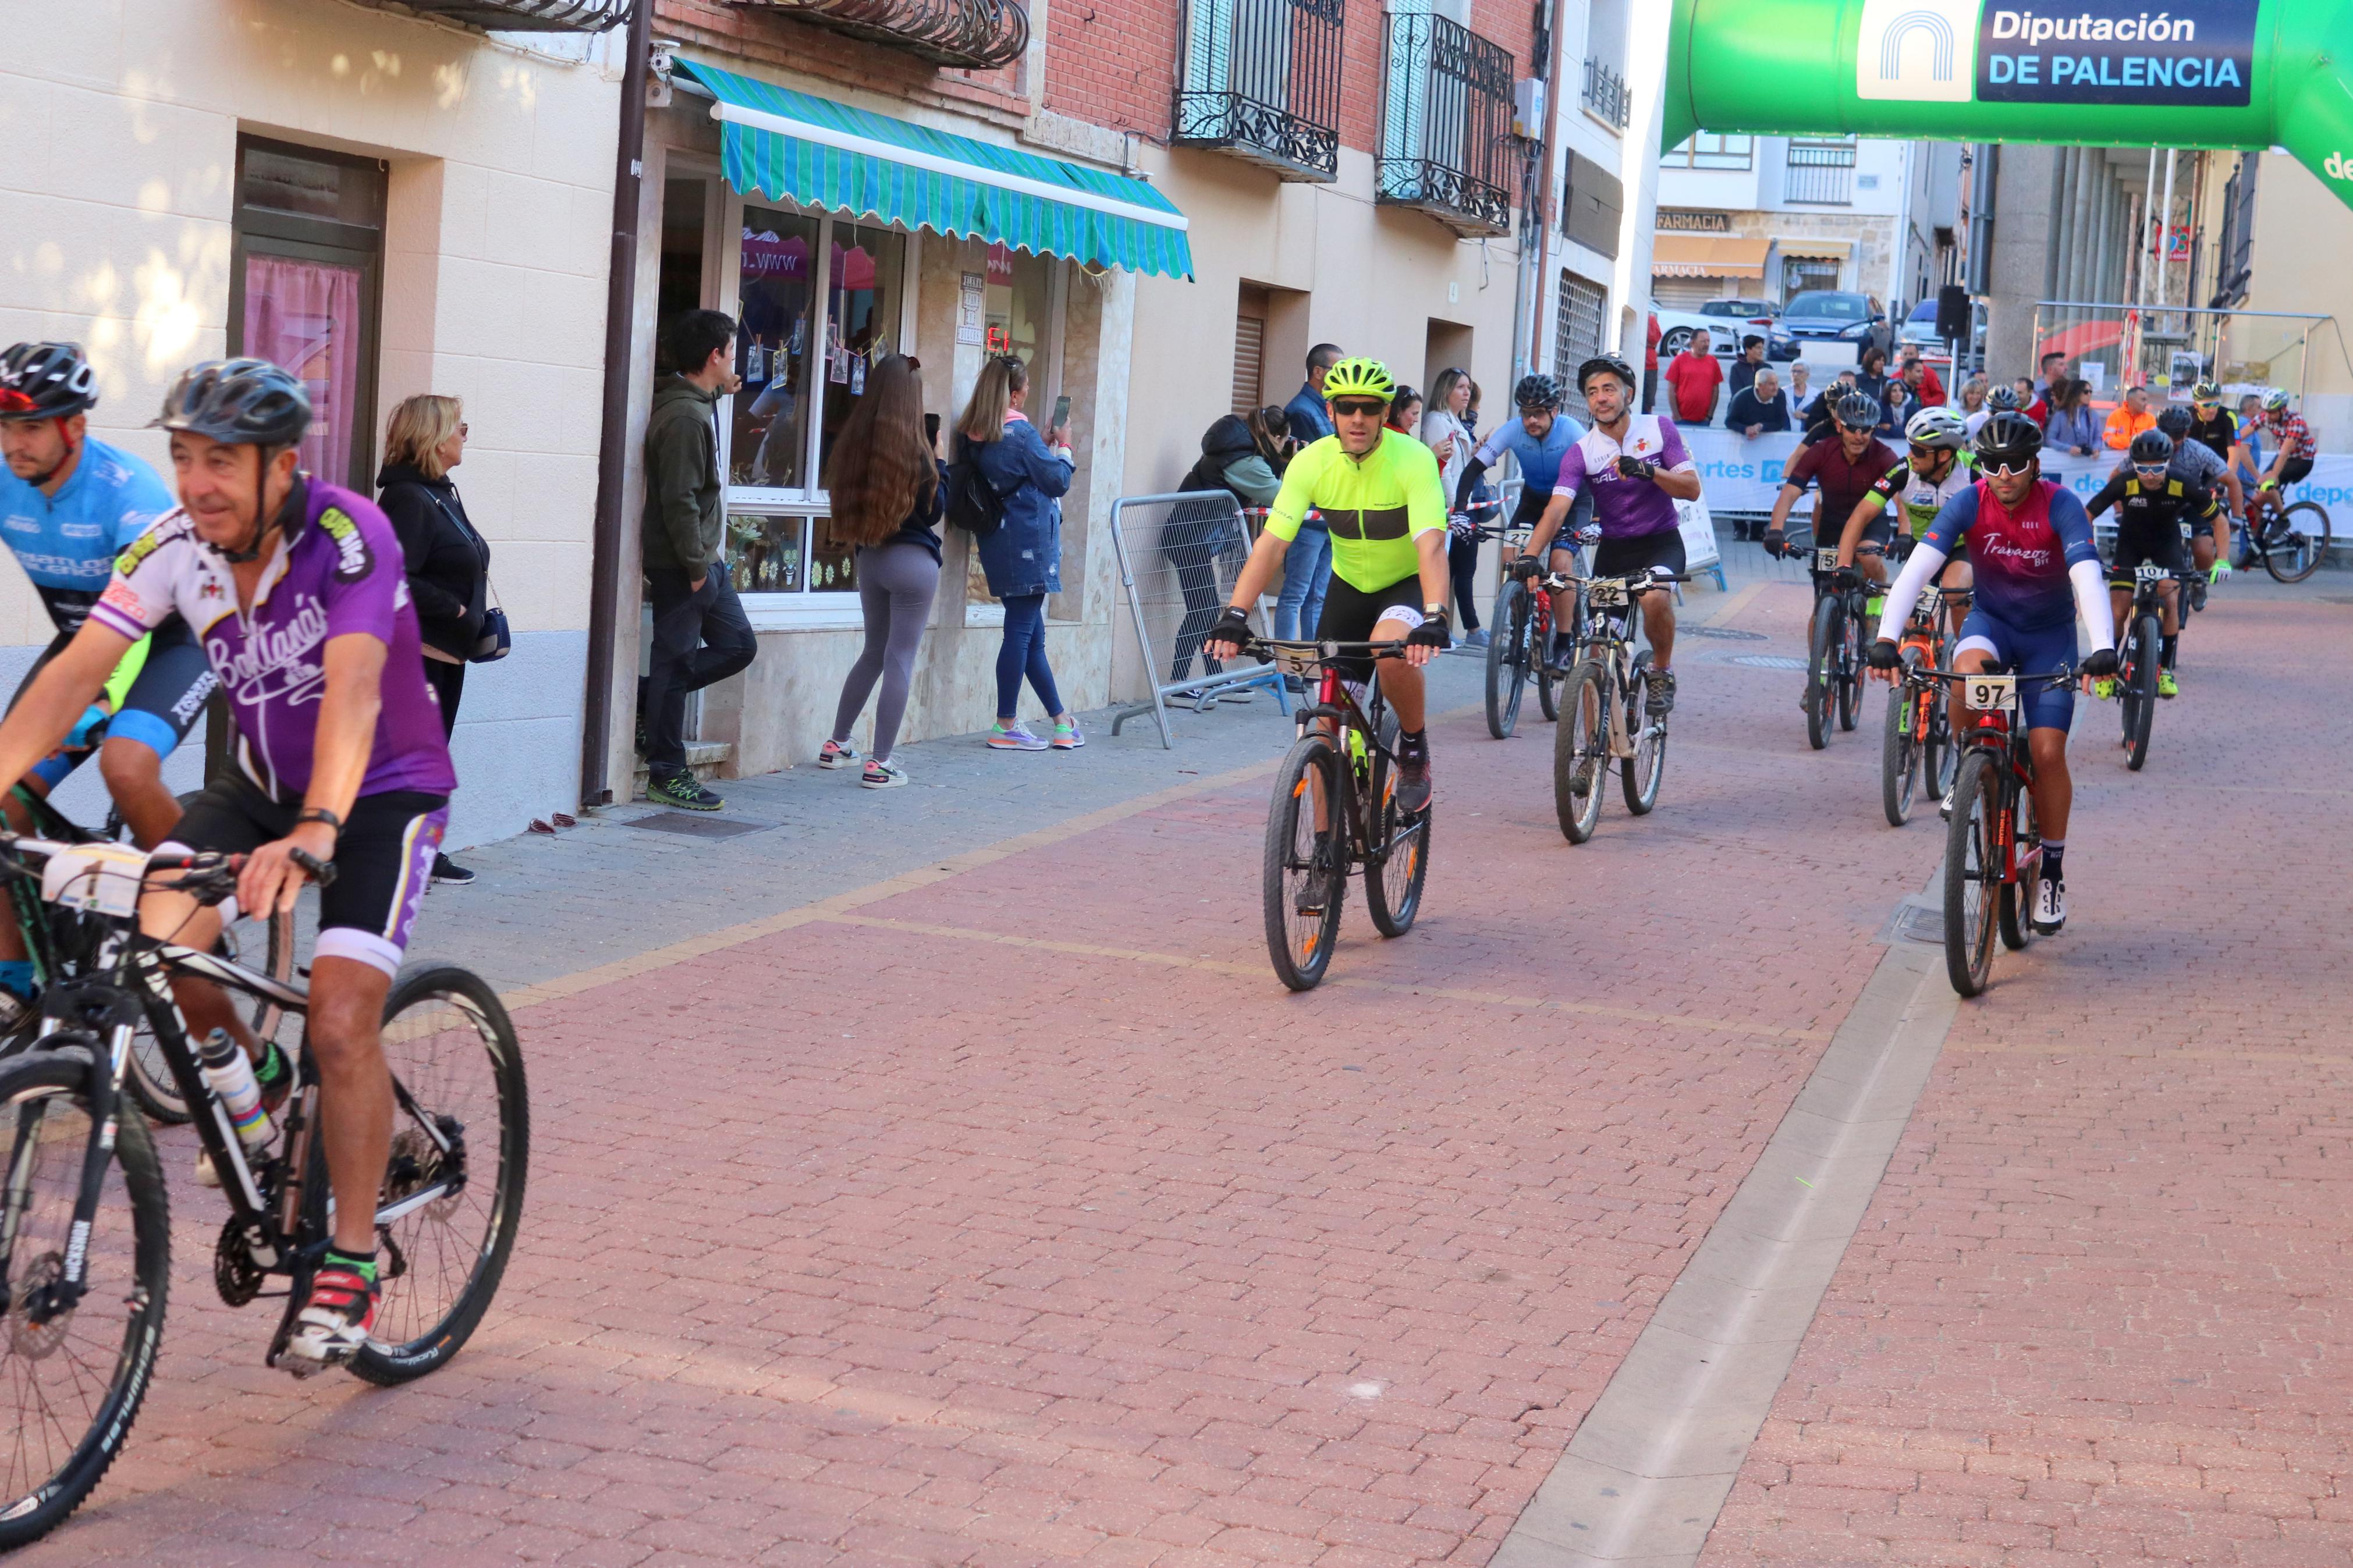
(1723, 333)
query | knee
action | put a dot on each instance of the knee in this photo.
(129, 767)
(342, 1034)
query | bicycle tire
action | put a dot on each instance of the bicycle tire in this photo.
(149, 1078)
(424, 1088)
(48, 1075)
(1393, 886)
(1300, 956)
(1640, 775)
(2140, 693)
(1901, 750)
(1849, 667)
(1580, 754)
(2016, 915)
(1817, 673)
(2315, 545)
(1507, 660)
(1972, 873)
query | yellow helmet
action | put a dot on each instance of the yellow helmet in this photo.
(1358, 378)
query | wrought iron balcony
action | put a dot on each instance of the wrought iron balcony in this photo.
(1262, 81)
(1446, 124)
(529, 15)
(971, 35)
(1819, 173)
(1607, 95)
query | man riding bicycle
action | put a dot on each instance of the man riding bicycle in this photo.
(1937, 471)
(69, 506)
(1846, 466)
(1638, 468)
(299, 590)
(2152, 503)
(2294, 438)
(1378, 492)
(1540, 437)
(2036, 566)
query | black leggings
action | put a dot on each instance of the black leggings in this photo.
(1462, 562)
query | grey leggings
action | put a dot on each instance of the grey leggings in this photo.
(895, 584)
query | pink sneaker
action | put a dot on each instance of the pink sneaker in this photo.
(836, 754)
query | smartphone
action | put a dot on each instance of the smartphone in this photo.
(932, 427)
(1061, 413)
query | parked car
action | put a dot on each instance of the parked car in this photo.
(1835, 315)
(1919, 329)
(1723, 331)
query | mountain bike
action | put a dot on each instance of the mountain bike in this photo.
(2289, 538)
(1334, 810)
(1605, 710)
(1918, 743)
(1834, 650)
(85, 1243)
(1521, 650)
(2139, 657)
(1993, 848)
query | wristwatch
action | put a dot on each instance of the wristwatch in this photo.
(1433, 609)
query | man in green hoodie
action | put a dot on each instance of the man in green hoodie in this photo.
(700, 632)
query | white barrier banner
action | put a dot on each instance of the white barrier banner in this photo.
(1738, 474)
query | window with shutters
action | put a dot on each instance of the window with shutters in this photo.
(1249, 361)
(1576, 335)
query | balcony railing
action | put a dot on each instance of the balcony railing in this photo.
(971, 35)
(1819, 173)
(1446, 124)
(1606, 96)
(1262, 81)
(529, 15)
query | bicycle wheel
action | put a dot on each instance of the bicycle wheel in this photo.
(1640, 775)
(2139, 688)
(1580, 754)
(1850, 666)
(1938, 754)
(2298, 540)
(76, 1373)
(1819, 673)
(150, 1077)
(1304, 871)
(1901, 749)
(2017, 922)
(1401, 848)
(461, 1117)
(1972, 875)
(1507, 660)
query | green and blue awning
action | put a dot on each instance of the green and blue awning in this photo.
(791, 146)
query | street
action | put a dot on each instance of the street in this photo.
(941, 1176)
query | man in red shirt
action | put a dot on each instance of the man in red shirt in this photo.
(1651, 367)
(1927, 388)
(1694, 377)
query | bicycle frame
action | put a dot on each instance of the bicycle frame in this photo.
(1350, 726)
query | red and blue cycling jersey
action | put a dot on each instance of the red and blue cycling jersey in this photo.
(2020, 558)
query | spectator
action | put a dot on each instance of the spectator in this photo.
(1761, 406)
(1801, 394)
(2054, 369)
(1270, 429)
(1450, 437)
(1920, 377)
(2074, 426)
(449, 561)
(1405, 412)
(1897, 408)
(1651, 366)
(889, 493)
(2129, 419)
(1240, 455)
(1023, 559)
(1973, 407)
(1307, 564)
(1234, 457)
(2034, 407)
(1871, 373)
(699, 632)
(1744, 368)
(1692, 378)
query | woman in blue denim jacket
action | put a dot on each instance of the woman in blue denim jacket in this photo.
(1023, 559)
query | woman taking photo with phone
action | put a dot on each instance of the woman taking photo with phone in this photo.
(1023, 558)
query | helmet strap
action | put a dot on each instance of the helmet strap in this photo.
(41, 482)
(262, 523)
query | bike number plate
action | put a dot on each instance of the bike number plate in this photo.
(1607, 595)
(103, 878)
(2150, 572)
(1932, 599)
(1993, 693)
(1826, 560)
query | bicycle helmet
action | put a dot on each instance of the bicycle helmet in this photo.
(1938, 429)
(46, 381)
(2174, 422)
(1537, 391)
(2275, 400)
(2003, 400)
(1858, 411)
(2205, 391)
(241, 402)
(1609, 365)
(1358, 378)
(2008, 440)
(2152, 447)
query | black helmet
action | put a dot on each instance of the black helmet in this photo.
(2174, 422)
(1608, 363)
(242, 402)
(46, 381)
(1858, 411)
(2152, 447)
(1537, 391)
(2008, 440)
(2003, 399)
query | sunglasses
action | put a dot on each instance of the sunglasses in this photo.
(461, 429)
(2150, 471)
(1359, 406)
(1924, 454)
(2007, 470)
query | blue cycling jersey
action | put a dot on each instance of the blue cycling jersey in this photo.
(1539, 461)
(67, 543)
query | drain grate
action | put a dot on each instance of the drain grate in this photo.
(1918, 922)
(1726, 634)
(1768, 661)
(690, 826)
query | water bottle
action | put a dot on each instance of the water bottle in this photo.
(230, 1073)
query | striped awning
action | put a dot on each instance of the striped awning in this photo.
(791, 146)
(1707, 255)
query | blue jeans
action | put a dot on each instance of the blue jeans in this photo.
(1023, 653)
(1306, 569)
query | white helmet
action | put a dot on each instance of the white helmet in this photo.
(1938, 429)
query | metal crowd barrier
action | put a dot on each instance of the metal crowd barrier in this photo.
(1178, 556)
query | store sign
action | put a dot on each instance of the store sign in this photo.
(1693, 223)
(2118, 51)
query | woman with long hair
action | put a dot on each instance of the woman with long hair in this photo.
(448, 559)
(1023, 559)
(1449, 438)
(2073, 426)
(888, 497)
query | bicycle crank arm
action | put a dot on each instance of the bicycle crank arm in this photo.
(418, 1199)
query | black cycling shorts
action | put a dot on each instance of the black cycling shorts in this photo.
(1350, 614)
(165, 699)
(2294, 469)
(2153, 543)
(1629, 554)
(384, 857)
(1531, 512)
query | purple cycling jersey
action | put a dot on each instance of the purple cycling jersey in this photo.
(1627, 507)
(345, 575)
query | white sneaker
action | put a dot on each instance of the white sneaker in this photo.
(880, 775)
(2050, 905)
(1944, 806)
(835, 754)
(206, 1175)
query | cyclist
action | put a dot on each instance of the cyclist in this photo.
(1937, 471)
(1379, 492)
(2152, 503)
(68, 505)
(2036, 565)
(2209, 425)
(2194, 463)
(1539, 438)
(299, 590)
(2292, 436)
(1845, 466)
(1638, 468)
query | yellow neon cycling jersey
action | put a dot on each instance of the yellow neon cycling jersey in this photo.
(1376, 508)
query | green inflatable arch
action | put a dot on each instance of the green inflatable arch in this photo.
(2210, 73)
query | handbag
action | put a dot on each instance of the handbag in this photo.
(496, 639)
